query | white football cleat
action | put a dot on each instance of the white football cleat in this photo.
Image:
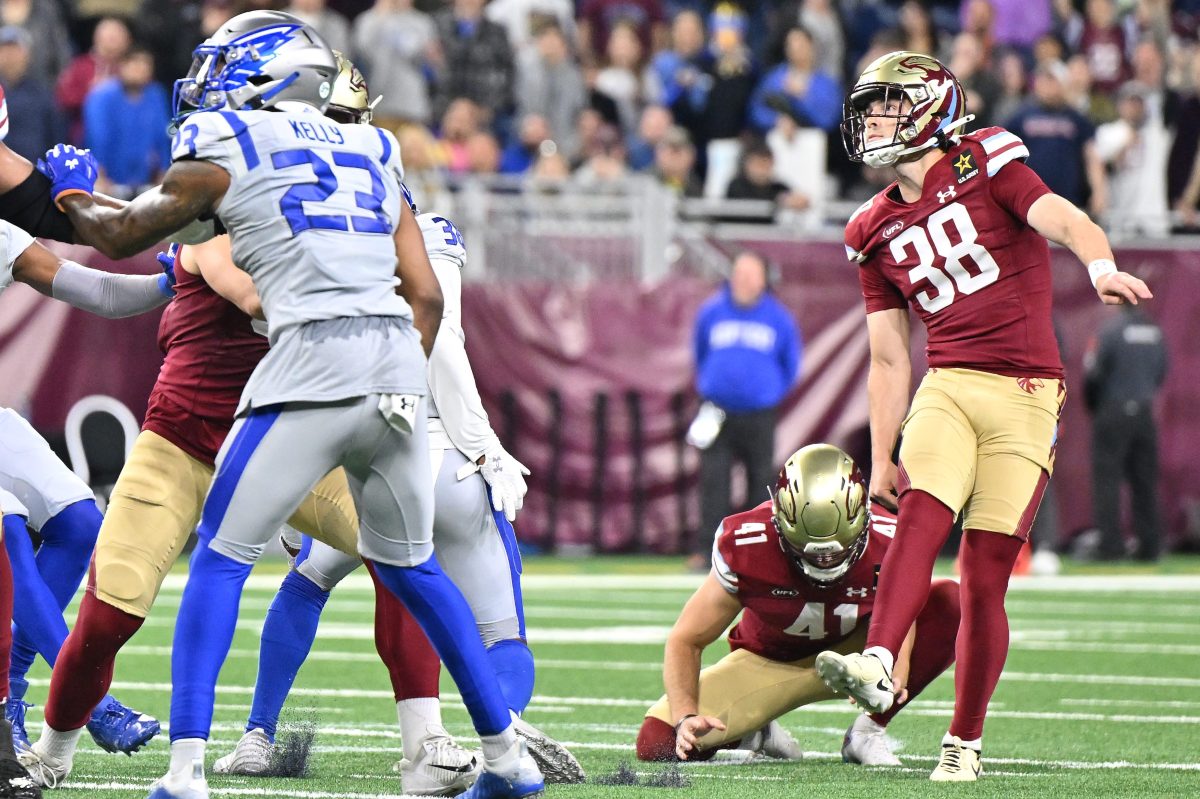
(441, 768)
(191, 785)
(862, 677)
(958, 763)
(44, 769)
(555, 761)
(252, 756)
(773, 741)
(866, 744)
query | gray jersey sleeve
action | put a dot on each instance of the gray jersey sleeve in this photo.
(218, 137)
(451, 381)
(13, 242)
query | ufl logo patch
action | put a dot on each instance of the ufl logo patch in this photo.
(893, 229)
(965, 167)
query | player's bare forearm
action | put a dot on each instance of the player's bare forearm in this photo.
(888, 379)
(1060, 221)
(705, 616)
(190, 189)
(418, 282)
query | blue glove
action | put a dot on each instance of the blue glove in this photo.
(71, 170)
(166, 282)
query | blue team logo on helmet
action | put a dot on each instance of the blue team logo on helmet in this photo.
(254, 61)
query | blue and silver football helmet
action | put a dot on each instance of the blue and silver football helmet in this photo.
(254, 61)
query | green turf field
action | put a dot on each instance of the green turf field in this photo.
(1101, 694)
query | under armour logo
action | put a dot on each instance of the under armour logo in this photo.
(407, 403)
(948, 194)
(74, 162)
(859, 592)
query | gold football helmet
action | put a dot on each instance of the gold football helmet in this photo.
(927, 102)
(350, 102)
(820, 511)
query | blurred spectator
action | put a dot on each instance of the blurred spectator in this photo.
(483, 153)
(38, 126)
(621, 77)
(1149, 69)
(981, 84)
(332, 26)
(598, 18)
(1048, 49)
(747, 349)
(550, 172)
(550, 84)
(424, 171)
(678, 76)
(519, 156)
(979, 18)
(920, 34)
(478, 62)
(820, 18)
(395, 44)
(733, 75)
(110, 41)
(800, 156)
(1183, 171)
(1017, 23)
(675, 161)
(1013, 85)
(813, 99)
(1096, 106)
(125, 125)
(523, 18)
(172, 29)
(589, 127)
(1125, 369)
(756, 181)
(462, 120)
(652, 129)
(51, 48)
(605, 169)
(1060, 143)
(1135, 149)
(1102, 41)
(1149, 19)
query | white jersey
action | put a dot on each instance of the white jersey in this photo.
(34, 483)
(311, 209)
(442, 239)
(13, 242)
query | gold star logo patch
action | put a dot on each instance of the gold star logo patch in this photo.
(964, 164)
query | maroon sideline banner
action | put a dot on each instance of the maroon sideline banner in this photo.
(592, 385)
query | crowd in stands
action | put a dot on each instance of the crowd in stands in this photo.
(716, 98)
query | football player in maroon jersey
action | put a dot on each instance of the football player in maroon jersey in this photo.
(802, 570)
(961, 236)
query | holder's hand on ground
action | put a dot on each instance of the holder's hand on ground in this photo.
(689, 730)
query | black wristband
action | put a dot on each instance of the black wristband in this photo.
(687, 716)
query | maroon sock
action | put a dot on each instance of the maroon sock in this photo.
(656, 741)
(84, 670)
(411, 661)
(987, 561)
(6, 611)
(933, 650)
(922, 527)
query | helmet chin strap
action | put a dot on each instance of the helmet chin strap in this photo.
(893, 154)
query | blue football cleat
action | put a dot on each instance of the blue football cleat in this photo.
(116, 728)
(525, 782)
(14, 711)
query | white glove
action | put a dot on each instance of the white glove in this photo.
(504, 474)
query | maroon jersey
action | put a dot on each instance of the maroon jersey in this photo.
(1104, 49)
(965, 258)
(787, 616)
(210, 350)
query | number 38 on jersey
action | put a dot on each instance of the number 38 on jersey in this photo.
(949, 256)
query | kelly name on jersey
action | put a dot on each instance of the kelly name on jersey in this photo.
(787, 616)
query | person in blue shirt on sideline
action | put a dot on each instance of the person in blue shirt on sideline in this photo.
(798, 88)
(747, 349)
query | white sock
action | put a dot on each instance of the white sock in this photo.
(417, 716)
(501, 753)
(885, 657)
(59, 745)
(866, 725)
(976, 744)
(184, 753)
